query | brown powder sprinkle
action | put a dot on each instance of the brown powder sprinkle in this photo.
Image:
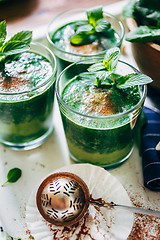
(145, 228)
(84, 228)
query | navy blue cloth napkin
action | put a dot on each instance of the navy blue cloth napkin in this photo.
(150, 157)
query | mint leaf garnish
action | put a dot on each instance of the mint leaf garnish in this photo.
(132, 79)
(88, 31)
(13, 47)
(103, 72)
(3, 32)
(23, 36)
(13, 175)
(17, 44)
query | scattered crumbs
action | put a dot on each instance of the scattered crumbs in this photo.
(42, 165)
(4, 150)
(29, 234)
(145, 227)
(5, 163)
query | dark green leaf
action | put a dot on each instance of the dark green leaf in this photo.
(132, 79)
(13, 175)
(14, 47)
(23, 36)
(3, 32)
(94, 14)
(147, 14)
(82, 39)
(102, 25)
(144, 34)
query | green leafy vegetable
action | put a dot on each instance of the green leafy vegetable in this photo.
(144, 34)
(103, 73)
(87, 31)
(17, 44)
(13, 175)
(147, 15)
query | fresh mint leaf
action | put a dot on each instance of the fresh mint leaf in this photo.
(82, 38)
(3, 32)
(102, 25)
(84, 28)
(23, 36)
(88, 31)
(96, 67)
(13, 175)
(13, 47)
(17, 44)
(105, 77)
(112, 56)
(132, 79)
(144, 34)
(103, 73)
(94, 14)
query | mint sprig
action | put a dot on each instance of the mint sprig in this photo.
(103, 73)
(17, 44)
(88, 31)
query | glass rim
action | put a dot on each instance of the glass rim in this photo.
(122, 114)
(34, 43)
(77, 54)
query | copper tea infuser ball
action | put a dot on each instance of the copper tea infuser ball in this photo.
(63, 198)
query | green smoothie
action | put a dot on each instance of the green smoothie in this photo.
(97, 140)
(100, 108)
(26, 100)
(85, 34)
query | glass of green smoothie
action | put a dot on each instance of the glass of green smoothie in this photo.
(83, 33)
(100, 117)
(27, 96)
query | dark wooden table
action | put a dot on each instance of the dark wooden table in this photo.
(29, 14)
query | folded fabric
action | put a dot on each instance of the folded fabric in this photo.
(150, 157)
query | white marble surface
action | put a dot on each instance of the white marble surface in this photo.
(38, 163)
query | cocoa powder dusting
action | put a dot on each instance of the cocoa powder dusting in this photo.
(145, 227)
(84, 228)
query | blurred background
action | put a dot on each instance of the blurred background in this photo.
(29, 14)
